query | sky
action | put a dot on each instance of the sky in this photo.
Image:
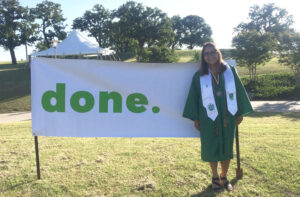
(221, 15)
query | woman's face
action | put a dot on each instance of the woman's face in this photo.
(211, 55)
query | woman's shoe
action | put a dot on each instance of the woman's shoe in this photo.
(226, 184)
(216, 186)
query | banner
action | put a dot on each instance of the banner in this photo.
(92, 98)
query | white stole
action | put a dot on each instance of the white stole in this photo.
(208, 99)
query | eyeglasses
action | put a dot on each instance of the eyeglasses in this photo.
(214, 52)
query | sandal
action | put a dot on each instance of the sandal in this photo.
(216, 186)
(226, 184)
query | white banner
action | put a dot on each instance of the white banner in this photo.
(92, 98)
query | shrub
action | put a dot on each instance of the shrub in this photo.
(273, 87)
(197, 56)
(158, 54)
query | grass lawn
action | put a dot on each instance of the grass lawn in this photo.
(14, 88)
(270, 67)
(270, 157)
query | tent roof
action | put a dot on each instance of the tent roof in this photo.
(75, 44)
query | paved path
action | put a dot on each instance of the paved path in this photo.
(276, 106)
(15, 117)
(259, 106)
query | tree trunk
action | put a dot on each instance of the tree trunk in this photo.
(297, 80)
(250, 72)
(254, 72)
(26, 51)
(141, 47)
(45, 36)
(13, 56)
(173, 46)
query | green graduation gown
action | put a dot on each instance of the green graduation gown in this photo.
(216, 143)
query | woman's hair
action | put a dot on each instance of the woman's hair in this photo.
(204, 66)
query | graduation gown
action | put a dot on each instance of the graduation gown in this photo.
(216, 137)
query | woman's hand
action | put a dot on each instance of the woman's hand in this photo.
(197, 124)
(239, 119)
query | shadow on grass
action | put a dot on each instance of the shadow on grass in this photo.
(294, 116)
(12, 66)
(14, 84)
(210, 192)
(20, 184)
(11, 98)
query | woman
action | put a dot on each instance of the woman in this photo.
(217, 102)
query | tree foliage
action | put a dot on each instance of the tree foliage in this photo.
(268, 18)
(178, 31)
(145, 25)
(195, 31)
(51, 21)
(257, 41)
(29, 30)
(289, 52)
(253, 49)
(96, 22)
(16, 26)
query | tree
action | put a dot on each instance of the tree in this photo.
(268, 18)
(263, 30)
(252, 49)
(145, 25)
(178, 31)
(13, 19)
(195, 31)
(120, 42)
(289, 52)
(29, 30)
(96, 22)
(52, 20)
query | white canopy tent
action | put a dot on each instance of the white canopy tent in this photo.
(75, 44)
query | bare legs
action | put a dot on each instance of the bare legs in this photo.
(214, 169)
(224, 168)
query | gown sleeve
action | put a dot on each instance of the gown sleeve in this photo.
(244, 104)
(192, 105)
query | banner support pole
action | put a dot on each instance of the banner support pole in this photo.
(37, 157)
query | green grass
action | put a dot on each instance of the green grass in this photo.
(270, 67)
(14, 88)
(186, 55)
(270, 157)
(16, 104)
(9, 62)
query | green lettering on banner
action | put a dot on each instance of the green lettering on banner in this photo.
(155, 109)
(59, 96)
(104, 98)
(135, 102)
(136, 99)
(89, 101)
